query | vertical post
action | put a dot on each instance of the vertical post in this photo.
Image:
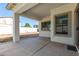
(16, 36)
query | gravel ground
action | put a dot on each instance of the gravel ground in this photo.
(7, 37)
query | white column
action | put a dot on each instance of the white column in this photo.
(16, 36)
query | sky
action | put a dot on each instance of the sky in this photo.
(9, 13)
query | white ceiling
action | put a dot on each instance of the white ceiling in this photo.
(43, 9)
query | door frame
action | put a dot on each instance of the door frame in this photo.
(77, 26)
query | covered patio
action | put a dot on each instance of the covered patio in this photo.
(46, 14)
(46, 43)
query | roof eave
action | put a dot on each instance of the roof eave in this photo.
(9, 7)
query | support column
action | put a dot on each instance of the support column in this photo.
(16, 35)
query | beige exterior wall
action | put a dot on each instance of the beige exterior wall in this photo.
(44, 33)
(71, 40)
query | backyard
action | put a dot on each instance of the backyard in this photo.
(6, 32)
(8, 37)
(6, 29)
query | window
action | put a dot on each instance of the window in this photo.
(61, 24)
(45, 26)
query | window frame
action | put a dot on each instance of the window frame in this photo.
(62, 32)
(44, 28)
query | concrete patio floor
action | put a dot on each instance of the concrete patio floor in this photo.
(35, 46)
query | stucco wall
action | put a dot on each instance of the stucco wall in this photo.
(44, 33)
(63, 39)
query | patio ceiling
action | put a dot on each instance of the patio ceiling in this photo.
(41, 10)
